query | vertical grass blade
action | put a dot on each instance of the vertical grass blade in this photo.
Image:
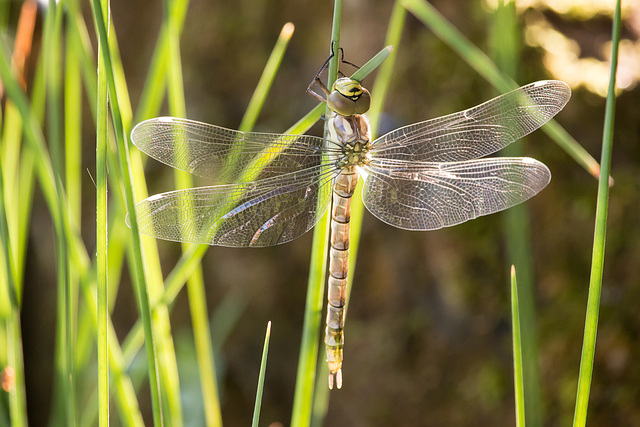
(10, 317)
(263, 370)
(49, 182)
(102, 113)
(505, 42)
(73, 103)
(308, 359)
(386, 57)
(16, 189)
(518, 370)
(18, 163)
(138, 265)
(64, 403)
(168, 366)
(597, 260)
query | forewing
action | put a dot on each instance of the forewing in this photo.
(263, 213)
(478, 131)
(224, 155)
(436, 195)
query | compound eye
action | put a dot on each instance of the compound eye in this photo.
(348, 97)
(363, 102)
(340, 104)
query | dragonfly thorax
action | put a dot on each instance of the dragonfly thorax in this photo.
(352, 134)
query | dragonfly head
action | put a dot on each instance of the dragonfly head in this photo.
(348, 97)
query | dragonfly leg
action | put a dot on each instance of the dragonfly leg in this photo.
(318, 81)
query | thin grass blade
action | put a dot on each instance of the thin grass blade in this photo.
(505, 42)
(263, 370)
(308, 359)
(385, 60)
(65, 399)
(138, 264)
(154, 88)
(266, 80)
(599, 238)
(13, 373)
(102, 267)
(518, 371)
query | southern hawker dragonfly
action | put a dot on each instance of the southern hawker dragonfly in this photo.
(272, 188)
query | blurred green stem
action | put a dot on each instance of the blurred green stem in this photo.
(505, 44)
(64, 406)
(308, 360)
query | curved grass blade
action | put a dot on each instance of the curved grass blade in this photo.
(487, 69)
(597, 260)
(154, 87)
(266, 80)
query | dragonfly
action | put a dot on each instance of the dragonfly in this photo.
(272, 188)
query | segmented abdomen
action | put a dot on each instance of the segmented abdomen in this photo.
(338, 268)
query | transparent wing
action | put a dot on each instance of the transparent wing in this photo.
(224, 155)
(429, 196)
(478, 131)
(263, 213)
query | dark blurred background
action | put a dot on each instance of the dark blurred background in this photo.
(428, 338)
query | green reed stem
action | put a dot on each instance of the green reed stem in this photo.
(10, 317)
(505, 49)
(138, 265)
(64, 403)
(102, 266)
(308, 359)
(599, 238)
(518, 371)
